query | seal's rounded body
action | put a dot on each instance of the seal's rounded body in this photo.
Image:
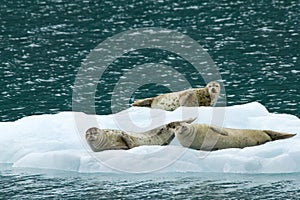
(205, 137)
(190, 98)
(108, 139)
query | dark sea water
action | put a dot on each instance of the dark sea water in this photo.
(58, 185)
(254, 44)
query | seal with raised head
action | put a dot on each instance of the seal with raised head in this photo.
(109, 139)
(194, 97)
(209, 138)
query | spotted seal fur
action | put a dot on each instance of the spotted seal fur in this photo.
(109, 139)
(194, 97)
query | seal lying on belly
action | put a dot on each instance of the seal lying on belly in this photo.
(209, 138)
(108, 139)
(190, 98)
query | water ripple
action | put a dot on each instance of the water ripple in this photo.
(42, 45)
(171, 186)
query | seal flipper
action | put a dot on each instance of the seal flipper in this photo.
(169, 140)
(126, 141)
(143, 102)
(190, 120)
(218, 130)
(277, 135)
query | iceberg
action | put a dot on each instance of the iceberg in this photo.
(57, 142)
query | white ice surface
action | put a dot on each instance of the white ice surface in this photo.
(57, 142)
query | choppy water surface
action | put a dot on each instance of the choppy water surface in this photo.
(255, 44)
(43, 43)
(59, 185)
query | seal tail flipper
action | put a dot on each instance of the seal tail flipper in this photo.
(143, 102)
(277, 135)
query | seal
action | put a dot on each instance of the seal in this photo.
(109, 139)
(209, 138)
(194, 97)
